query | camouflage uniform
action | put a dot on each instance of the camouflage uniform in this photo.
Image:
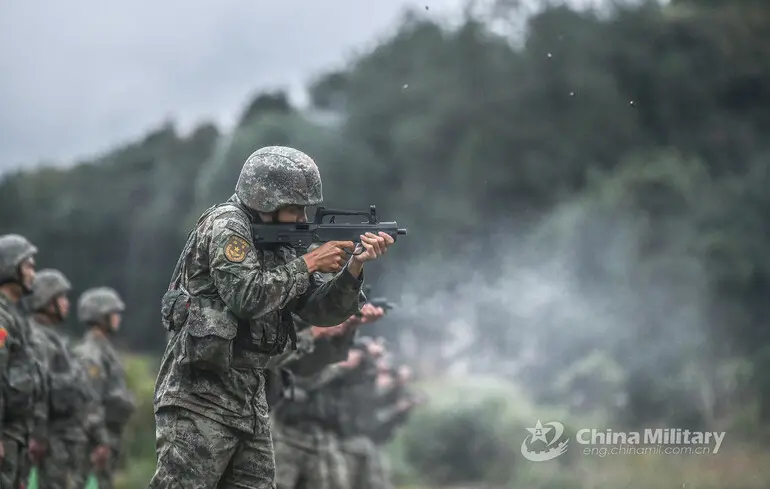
(307, 452)
(229, 307)
(66, 462)
(23, 409)
(106, 374)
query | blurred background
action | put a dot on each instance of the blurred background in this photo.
(586, 187)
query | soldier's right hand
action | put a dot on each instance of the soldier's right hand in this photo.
(329, 257)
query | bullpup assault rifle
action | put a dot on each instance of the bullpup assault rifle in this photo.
(301, 235)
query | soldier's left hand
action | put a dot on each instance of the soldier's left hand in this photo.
(374, 245)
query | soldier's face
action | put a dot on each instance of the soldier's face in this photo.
(27, 272)
(63, 304)
(115, 319)
(404, 373)
(384, 381)
(292, 213)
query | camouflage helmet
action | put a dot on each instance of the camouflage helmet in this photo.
(276, 176)
(48, 284)
(94, 304)
(14, 249)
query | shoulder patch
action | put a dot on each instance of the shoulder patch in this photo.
(93, 371)
(236, 249)
(3, 336)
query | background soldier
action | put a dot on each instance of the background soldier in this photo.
(358, 403)
(100, 310)
(395, 402)
(22, 396)
(307, 453)
(66, 461)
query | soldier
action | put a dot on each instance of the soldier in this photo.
(395, 403)
(100, 310)
(359, 405)
(307, 452)
(23, 409)
(66, 462)
(229, 306)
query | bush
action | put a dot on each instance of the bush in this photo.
(469, 433)
(138, 455)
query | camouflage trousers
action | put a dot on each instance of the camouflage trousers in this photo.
(195, 452)
(367, 465)
(308, 457)
(13, 466)
(65, 466)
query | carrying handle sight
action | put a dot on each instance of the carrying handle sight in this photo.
(322, 212)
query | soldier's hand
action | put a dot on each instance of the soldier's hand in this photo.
(36, 450)
(319, 332)
(374, 246)
(370, 313)
(329, 257)
(100, 456)
(355, 357)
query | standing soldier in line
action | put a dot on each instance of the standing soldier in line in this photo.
(22, 394)
(100, 310)
(307, 454)
(66, 463)
(235, 313)
(395, 405)
(359, 405)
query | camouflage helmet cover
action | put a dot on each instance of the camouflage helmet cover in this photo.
(276, 176)
(14, 249)
(48, 284)
(94, 304)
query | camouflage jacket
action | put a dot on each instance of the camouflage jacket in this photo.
(320, 399)
(357, 400)
(114, 402)
(234, 312)
(24, 394)
(72, 401)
